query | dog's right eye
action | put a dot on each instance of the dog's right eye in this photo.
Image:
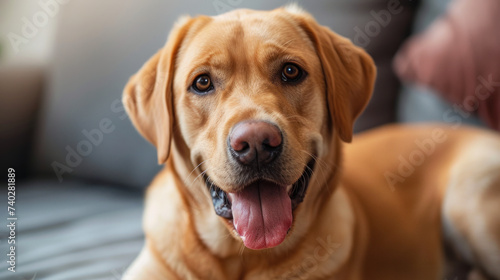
(292, 73)
(202, 84)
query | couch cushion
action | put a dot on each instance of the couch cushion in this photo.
(20, 95)
(74, 231)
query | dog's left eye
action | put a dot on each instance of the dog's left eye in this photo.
(291, 73)
(202, 84)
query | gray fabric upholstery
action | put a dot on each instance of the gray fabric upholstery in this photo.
(416, 103)
(20, 95)
(428, 11)
(420, 104)
(74, 231)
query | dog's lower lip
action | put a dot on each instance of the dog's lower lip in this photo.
(222, 203)
(220, 200)
(299, 188)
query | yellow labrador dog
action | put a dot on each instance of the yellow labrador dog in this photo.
(249, 112)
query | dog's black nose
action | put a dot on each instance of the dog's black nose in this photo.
(255, 142)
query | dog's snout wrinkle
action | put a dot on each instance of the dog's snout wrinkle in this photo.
(255, 142)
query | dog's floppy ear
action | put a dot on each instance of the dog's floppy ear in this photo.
(148, 95)
(348, 70)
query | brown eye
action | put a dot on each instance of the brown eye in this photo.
(202, 84)
(291, 73)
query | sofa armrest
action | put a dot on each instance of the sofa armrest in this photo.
(20, 96)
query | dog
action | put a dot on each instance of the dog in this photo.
(250, 111)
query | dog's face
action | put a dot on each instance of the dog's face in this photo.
(256, 97)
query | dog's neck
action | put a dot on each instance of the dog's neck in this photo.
(327, 247)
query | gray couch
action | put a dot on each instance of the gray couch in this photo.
(82, 168)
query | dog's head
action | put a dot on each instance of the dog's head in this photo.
(253, 99)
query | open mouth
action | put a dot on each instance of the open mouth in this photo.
(262, 212)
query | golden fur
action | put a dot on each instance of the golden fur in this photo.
(354, 223)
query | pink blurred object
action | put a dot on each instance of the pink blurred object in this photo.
(459, 56)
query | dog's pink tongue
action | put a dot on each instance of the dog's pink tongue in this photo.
(262, 214)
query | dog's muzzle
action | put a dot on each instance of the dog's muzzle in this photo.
(261, 211)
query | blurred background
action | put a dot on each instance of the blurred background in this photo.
(81, 168)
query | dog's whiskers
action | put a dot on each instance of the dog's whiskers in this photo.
(201, 174)
(241, 250)
(196, 167)
(316, 159)
(322, 166)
